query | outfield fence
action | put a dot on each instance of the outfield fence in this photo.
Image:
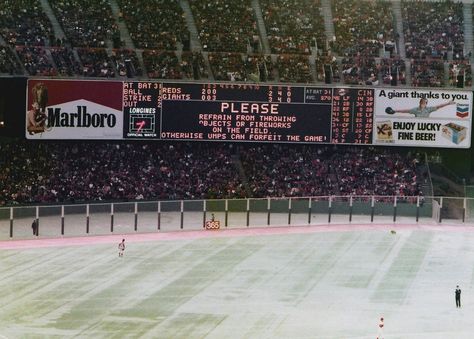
(153, 216)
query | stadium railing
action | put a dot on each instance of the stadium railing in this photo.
(154, 216)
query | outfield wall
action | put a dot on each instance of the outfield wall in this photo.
(158, 216)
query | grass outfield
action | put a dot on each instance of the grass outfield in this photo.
(309, 282)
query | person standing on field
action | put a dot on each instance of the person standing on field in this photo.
(457, 294)
(121, 248)
(34, 227)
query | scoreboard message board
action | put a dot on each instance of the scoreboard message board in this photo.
(245, 113)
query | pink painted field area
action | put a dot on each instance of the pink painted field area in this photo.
(242, 232)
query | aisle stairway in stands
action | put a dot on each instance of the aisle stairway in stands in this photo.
(58, 33)
(446, 73)
(243, 177)
(397, 12)
(57, 29)
(468, 34)
(195, 43)
(191, 24)
(312, 64)
(261, 26)
(124, 33)
(326, 12)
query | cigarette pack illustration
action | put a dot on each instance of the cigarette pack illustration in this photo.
(384, 131)
(454, 132)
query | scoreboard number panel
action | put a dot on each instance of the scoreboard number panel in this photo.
(232, 92)
(256, 113)
(352, 116)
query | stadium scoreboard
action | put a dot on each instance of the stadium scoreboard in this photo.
(245, 112)
(238, 112)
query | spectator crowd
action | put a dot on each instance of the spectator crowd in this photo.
(51, 172)
(83, 171)
(250, 41)
(157, 24)
(224, 26)
(293, 26)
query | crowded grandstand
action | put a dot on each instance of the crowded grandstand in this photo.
(354, 43)
(291, 41)
(85, 171)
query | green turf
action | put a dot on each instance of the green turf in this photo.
(317, 285)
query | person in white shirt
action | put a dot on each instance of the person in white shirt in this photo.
(121, 248)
